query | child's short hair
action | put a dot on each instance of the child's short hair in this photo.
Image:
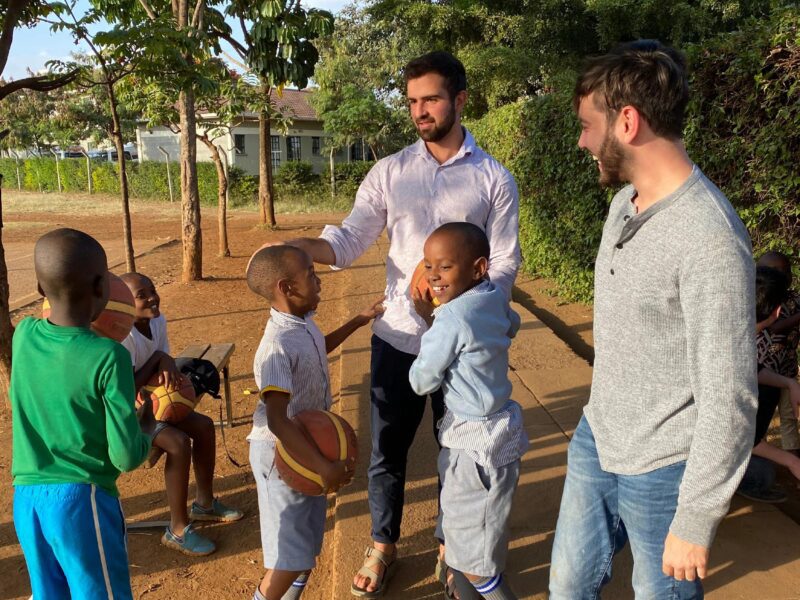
(473, 238)
(772, 288)
(268, 265)
(68, 263)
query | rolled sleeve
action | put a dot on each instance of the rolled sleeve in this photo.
(364, 223)
(502, 229)
(717, 299)
(276, 372)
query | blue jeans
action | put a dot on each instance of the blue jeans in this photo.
(600, 512)
(396, 413)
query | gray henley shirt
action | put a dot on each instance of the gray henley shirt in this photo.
(675, 353)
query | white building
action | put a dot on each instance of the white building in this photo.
(304, 140)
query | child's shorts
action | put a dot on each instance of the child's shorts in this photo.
(292, 524)
(473, 517)
(74, 542)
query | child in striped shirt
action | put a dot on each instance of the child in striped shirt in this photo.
(465, 352)
(291, 370)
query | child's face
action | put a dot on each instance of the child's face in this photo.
(450, 269)
(146, 300)
(302, 289)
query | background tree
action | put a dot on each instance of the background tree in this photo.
(277, 45)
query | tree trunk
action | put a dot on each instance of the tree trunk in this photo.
(266, 197)
(6, 330)
(333, 175)
(222, 189)
(116, 136)
(190, 195)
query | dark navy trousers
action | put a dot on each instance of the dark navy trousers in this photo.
(396, 412)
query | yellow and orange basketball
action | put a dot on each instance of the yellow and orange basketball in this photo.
(170, 405)
(420, 282)
(116, 320)
(334, 438)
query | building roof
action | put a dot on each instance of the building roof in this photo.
(292, 103)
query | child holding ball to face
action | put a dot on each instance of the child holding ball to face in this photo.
(189, 441)
(465, 352)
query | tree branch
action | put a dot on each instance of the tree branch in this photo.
(147, 8)
(197, 16)
(39, 83)
(13, 11)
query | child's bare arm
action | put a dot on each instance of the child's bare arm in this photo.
(160, 362)
(334, 474)
(782, 325)
(334, 339)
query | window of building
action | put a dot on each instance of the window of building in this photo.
(275, 146)
(293, 147)
(238, 143)
(316, 146)
(357, 151)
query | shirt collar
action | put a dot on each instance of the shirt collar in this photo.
(482, 287)
(282, 319)
(468, 147)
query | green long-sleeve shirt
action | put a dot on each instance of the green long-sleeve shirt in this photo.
(72, 400)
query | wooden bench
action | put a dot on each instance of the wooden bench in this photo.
(218, 355)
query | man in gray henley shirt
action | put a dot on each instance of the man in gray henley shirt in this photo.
(668, 429)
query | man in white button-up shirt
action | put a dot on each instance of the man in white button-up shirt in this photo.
(443, 177)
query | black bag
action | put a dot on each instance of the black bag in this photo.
(203, 375)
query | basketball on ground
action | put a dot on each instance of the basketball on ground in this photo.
(419, 281)
(116, 320)
(334, 438)
(170, 405)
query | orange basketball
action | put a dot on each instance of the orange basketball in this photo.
(170, 405)
(116, 320)
(420, 282)
(334, 438)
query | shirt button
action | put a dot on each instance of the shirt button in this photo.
(612, 271)
(619, 246)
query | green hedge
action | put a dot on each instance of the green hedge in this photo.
(743, 130)
(147, 179)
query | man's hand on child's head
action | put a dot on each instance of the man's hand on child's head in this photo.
(423, 305)
(375, 309)
(147, 420)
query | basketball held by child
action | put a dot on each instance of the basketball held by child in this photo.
(334, 438)
(170, 405)
(116, 320)
(419, 281)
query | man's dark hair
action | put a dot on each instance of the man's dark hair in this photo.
(644, 74)
(441, 63)
(472, 237)
(772, 287)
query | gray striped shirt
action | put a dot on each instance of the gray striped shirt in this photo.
(291, 358)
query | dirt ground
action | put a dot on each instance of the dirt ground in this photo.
(218, 309)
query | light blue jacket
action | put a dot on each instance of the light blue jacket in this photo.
(465, 352)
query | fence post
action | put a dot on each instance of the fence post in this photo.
(16, 163)
(58, 169)
(88, 170)
(169, 176)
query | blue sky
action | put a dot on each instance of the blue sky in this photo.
(32, 48)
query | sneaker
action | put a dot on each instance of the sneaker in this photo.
(773, 495)
(217, 512)
(191, 542)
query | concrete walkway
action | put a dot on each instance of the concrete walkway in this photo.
(756, 555)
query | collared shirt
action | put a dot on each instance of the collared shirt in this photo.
(291, 358)
(465, 352)
(411, 194)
